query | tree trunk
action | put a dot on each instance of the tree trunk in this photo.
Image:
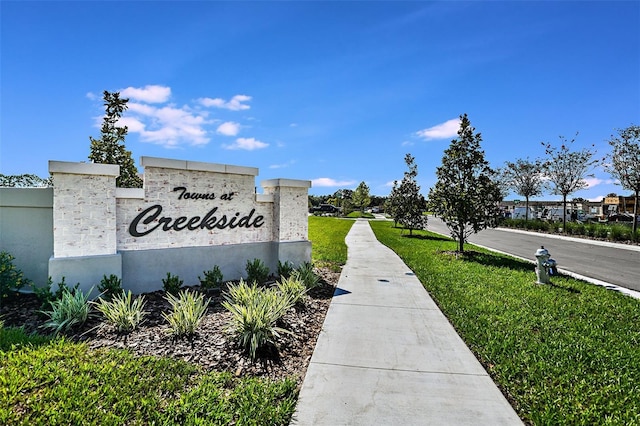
(635, 217)
(460, 239)
(564, 214)
(526, 209)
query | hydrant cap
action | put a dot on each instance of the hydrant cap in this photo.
(542, 252)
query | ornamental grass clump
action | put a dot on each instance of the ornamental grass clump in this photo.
(187, 311)
(256, 312)
(293, 289)
(70, 310)
(122, 311)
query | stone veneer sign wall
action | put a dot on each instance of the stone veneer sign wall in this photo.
(188, 217)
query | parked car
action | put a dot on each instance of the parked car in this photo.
(521, 213)
(324, 208)
(620, 217)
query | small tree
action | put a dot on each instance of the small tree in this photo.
(566, 170)
(466, 195)
(407, 204)
(525, 178)
(624, 163)
(24, 181)
(361, 197)
(110, 149)
(392, 205)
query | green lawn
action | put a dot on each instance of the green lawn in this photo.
(327, 238)
(567, 353)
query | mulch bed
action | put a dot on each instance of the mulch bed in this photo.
(211, 347)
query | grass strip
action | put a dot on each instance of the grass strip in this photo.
(66, 383)
(327, 236)
(566, 353)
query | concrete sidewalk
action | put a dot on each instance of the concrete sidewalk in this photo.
(387, 355)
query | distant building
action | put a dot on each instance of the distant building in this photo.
(618, 204)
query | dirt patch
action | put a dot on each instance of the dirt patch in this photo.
(211, 347)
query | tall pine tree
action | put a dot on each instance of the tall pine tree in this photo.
(466, 195)
(110, 149)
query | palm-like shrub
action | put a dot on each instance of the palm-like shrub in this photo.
(257, 271)
(212, 279)
(110, 286)
(306, 274)
(285, 269)
(123, 312)
(256, 312)
(172, 284)
(70, 310)
(187, 311)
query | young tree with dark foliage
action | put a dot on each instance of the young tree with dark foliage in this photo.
(525, 178)
(361, 197)
(110, 149)
(566, 170)
(624, 163)
(406, 205)
(466, 195)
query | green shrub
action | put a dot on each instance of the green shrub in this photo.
(602, 231)
(294, 289)
(212, 279)
(187, 311)
(257, 271)
(11, 278)
(590, 229)
(575, 228)
(110, 286)
(620, 233)
(123, 312)
(285, 269)
(172, 284)
(47, 297)
(70, 310)
(256, 312)
(306, 274)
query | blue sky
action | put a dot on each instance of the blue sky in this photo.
(332, 92)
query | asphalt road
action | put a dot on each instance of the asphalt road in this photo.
(618, 265)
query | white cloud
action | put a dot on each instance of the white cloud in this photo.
(591, 182)
(328, 182)
(596, 199)
(156, 120)
(134, 125)
(228, 128)
(152, 94)
(282, 166)
(389, 184)
(247, 144)
(441, 131)
(235, 104)
(407, 143)
(168, 126)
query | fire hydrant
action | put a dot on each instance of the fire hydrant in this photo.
(546, 266)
